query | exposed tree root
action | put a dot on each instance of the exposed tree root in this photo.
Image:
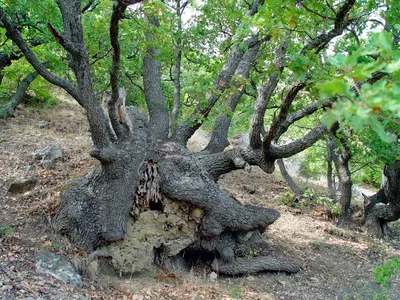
(243, 265)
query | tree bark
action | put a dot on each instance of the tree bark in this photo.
(18, 98)
(178, 60)
(262, 101)
(219, 138)
(289, 180)
(384, 206)
(341, 158)
(95, 209)
(155, 100)
(330, 177)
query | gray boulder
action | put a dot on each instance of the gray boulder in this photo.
(51, 264)
(49, 155)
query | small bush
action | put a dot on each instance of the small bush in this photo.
(384, 274)
(236, 292)
(5, 232)
(311, 199)
(287, 199)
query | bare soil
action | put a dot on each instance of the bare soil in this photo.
(337, 262)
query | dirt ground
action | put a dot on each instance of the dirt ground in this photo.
(337, 263)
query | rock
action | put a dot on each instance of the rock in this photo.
(213, 276)
(282, 282)
(51, 264)
(49, 155)
(251, 278)
(21, 184)
(43, 124)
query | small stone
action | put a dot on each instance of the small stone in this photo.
(21, 184)
(251, 278)
(51, 264)
(197, 213)
(213, 276)
(43, 124)
(1, 283)
(282, 282)
(49, 155)
(30, 168)
(314, 279)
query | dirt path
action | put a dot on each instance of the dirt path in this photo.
(337, 263)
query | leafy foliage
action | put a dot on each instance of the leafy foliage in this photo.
(311, 199)
(385, 273)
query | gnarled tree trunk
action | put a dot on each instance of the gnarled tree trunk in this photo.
(152, 192)
(384, 206)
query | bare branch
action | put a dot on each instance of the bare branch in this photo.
(264, 95)
(341, 22)
(78, 60)
(316, 13)
(134, 83)
(219, 138)
(60, 39)
(301, 113)
(129, 2)
(281, 118)
(18, 96)
(155, 99)
(96, 58)
(298, 145)
(120, 130)
(90, 6)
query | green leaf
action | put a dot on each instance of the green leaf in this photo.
(334, 87)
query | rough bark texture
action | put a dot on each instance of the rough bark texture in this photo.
(262, 101)
(219, 138)
(384, 206)
(155, 100)
(95, 209)
(178, 61)
(203, 214)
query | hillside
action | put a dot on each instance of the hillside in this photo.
(337, 263)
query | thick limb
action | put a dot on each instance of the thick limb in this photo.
(183, 179)
(243, 265)
(384, 206)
